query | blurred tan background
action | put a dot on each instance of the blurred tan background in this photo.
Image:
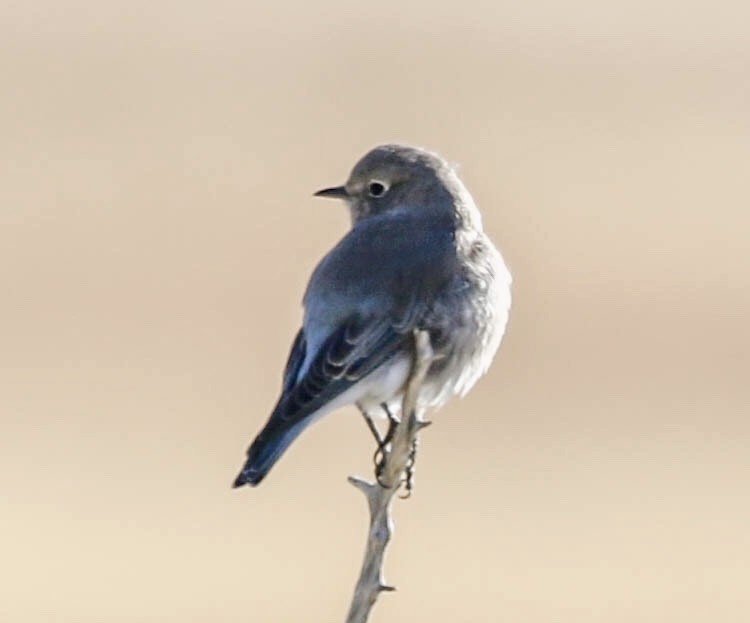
(158, 160)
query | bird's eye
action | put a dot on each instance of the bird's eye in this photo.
(376, 189)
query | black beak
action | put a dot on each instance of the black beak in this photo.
(337, 192)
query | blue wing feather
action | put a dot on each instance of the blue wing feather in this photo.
(351, 353)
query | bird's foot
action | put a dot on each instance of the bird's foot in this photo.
(383, 450)
(408, 481)
(384, 445)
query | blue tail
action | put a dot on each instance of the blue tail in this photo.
(267, 448)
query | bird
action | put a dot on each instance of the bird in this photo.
(415, 258)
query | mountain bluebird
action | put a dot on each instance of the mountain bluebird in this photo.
(416, 257)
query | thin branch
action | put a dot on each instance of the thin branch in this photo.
(380, 494)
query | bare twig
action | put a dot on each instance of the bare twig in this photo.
(379, 494)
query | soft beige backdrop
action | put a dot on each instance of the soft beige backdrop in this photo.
(158, 160)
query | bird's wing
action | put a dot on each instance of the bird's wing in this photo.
(294, 361)
(355, 349)
(363, 300)
(367, 294)
(349, 354)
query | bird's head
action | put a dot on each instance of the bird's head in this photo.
(392, 177)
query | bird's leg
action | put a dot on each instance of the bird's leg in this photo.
(371, 425)
(381, 452)
(392, 423)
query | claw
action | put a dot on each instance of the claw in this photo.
(408, 481)
(380, 456)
